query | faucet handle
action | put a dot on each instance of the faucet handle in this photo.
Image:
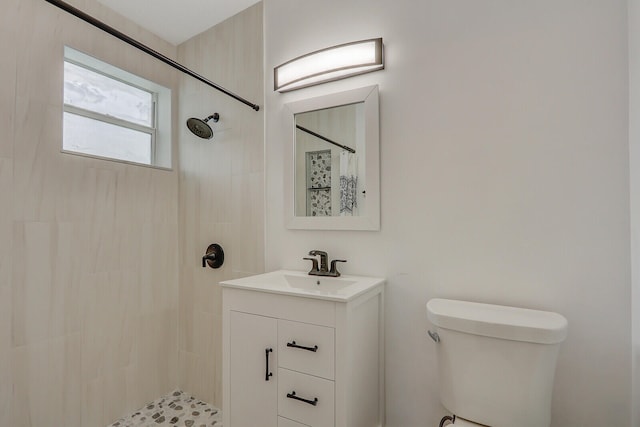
(323, 259)
(314, 266)
(334, 269)
(214, 257)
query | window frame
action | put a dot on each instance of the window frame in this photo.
(160, 129)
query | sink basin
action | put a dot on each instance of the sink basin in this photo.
(318, 283)
(299, 283)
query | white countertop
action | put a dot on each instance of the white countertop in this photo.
(299, 283)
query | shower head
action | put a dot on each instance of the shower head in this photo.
(200, 127)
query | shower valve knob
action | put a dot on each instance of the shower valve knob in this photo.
(214, 257)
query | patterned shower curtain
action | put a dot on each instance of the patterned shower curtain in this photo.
(348, 184)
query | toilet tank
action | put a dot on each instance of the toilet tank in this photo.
(496, 364)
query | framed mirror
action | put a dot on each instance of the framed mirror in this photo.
(332, 180)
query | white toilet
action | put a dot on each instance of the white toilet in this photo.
(496, 364)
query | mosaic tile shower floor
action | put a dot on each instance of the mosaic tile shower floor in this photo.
(176, 409)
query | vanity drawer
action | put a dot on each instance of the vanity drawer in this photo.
(285, 422)
(309, 388)
(296, 342)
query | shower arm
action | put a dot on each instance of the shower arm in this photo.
(146, 49)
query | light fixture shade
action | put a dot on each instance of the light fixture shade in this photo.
(329, 64)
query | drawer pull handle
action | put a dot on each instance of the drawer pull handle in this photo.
(292, 395)
(293, 344)
(267, 374)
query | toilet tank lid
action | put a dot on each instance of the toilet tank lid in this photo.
(498, 321)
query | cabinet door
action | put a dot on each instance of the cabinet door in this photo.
(254, 393)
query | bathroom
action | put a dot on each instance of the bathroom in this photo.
(506, 152)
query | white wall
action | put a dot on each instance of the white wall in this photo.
(504, 179)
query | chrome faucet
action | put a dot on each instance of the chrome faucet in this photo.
(323, 270)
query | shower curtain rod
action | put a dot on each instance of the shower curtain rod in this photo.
(146, 49)
(317, 135)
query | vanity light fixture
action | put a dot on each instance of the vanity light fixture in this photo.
(329, 64)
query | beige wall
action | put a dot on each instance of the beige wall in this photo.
(504, 177)
(88, 260)
(634, 153)
(95, 256)
(221, 189)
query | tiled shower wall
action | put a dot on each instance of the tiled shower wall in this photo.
(88, 248)
(221, 189)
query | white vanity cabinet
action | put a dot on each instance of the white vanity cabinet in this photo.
(296, 359)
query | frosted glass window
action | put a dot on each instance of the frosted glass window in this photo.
(97, 138)
(92, 91)
(111, 113)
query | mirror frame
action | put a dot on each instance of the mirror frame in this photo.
(369, 221)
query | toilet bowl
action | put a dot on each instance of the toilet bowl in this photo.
(496, 364)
